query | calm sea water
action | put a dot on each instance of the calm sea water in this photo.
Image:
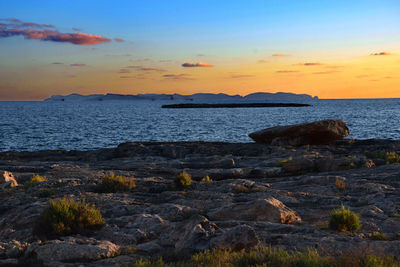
(90, 125)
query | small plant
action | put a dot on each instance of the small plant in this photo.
(183, 180)
(396, 215)
(64, 217)
(46, 192)
(340, 184)
(206, 179)
(112, 183)
(283, 162)
(344, 220)
(351, 165)
(378, 236)
(389, 157)
(35, 179)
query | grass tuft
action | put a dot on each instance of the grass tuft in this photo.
(283, 162)
(183, 180)
(206, 179)
(340, 184)
(112, 183)
(378, 236)
(35, 179)
(64, 217)
(344, 220)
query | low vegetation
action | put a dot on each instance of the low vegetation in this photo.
(206, 179)
(283, 162)
(267, 256)
(183, 180)
(35, 179)
(389, 157)
(64, 217)
(46, 192)
(112, 183)
(344, 220)
(378, 236)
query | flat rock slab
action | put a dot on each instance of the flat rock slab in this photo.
(313, 133)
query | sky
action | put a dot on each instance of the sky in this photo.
(329, 49)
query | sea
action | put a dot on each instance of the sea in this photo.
(42, 125)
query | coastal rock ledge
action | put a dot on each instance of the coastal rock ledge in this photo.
(314, 133)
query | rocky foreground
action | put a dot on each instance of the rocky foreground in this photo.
(279, 196)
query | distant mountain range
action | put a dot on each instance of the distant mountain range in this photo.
(195, 97)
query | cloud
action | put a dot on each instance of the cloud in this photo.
(57, 63)
(78, 65)
(286, 71)
(310, 64)
(141, 68)
(333, 67)
(177, 77)
(124, 71)
(35, 31)
(262, 61)
(279, 55)
(119, 40)
(76, 29)
(381, 54)
(325, 72)
(198, 64)
(237, 76)
(200, 55)
(125, 77)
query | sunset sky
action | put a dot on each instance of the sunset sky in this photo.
(332, 49)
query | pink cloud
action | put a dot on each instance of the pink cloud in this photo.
(78, 65)
(119, 40)
(279, 55)
(310, 64)
(198, 64)
(286, 71)
(25, 29)
(237, 76)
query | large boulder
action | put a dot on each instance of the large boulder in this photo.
(313, 133)
(7, 179)
(270, 210)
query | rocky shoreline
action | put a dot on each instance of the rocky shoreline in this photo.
(260, 194)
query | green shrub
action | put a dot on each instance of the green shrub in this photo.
(183, 180)
(344, 220)
(283, 162)
(206, 179)
(378, 236)
(64, 217)
(112, 183)
(389, 157)
(35, 179)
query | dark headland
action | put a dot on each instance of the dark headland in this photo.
(236, 105)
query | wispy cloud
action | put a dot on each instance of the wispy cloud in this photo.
(198, 64)
(76, 29)
(125, 77)
(177, 77)
(124, 71)
(78, 65)
(238, 76)
(310, 63)
(45, 32)
(119, 40)
(57, 63)
(279, 55)
(141, 68)
(325, 72)
(381, 54)
(286, 71)
(261, 61)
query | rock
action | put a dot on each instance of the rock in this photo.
(7, 180)
(191, 235)
(313, 133)
(73, 249)
(270, 209)
(237, 238)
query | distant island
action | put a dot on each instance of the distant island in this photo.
(236, 105)
(261, 96)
